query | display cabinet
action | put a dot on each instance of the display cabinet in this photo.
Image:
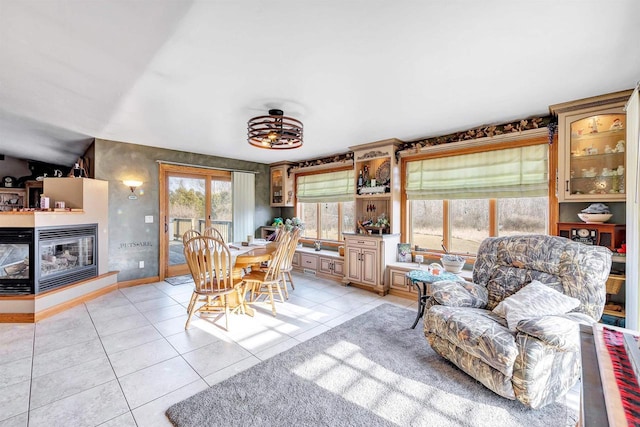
(11, 199)
(281, 190)
(34, 191)
(377, 187)
(592, 148)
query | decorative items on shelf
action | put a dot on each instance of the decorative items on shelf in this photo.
(452, 263)
(404, 252)
(379, 226)
(596, 213)
(288, 224)
(8, 182)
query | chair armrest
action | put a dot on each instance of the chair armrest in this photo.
(459, 294)
(558, 331)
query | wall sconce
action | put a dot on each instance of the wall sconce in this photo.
(132, 186)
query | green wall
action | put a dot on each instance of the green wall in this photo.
(131, 239)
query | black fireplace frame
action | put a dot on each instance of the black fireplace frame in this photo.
(53, 233)
(19, 235)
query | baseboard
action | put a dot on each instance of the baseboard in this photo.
(17, 318)
(27, 305)
(72, 303)
(136, 282)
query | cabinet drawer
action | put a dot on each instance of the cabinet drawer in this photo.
(398, 279)
(309, 261)
(363, 243)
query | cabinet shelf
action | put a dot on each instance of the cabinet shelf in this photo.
(373, 196)
(603, 156)
(576, 178)
(599, 135)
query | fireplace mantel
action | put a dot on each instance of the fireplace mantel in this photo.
(90, 198)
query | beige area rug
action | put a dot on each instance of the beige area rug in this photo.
(179, 280)
(370, 371)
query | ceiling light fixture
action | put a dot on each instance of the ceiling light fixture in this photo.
(275, 131)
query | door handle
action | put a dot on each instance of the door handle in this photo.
(566, 186)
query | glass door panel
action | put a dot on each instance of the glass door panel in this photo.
(221, 208)
(186, 211)
(597, 155)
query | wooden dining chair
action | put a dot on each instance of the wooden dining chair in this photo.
(263, 282)
(287, 263)
(213, 232)
(211, 266)
(189, 234)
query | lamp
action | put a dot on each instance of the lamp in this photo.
(132, 184)
(275, 131)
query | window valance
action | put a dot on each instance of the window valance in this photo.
(506, 173)
(337, 186)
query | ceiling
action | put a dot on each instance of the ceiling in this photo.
(187, 75)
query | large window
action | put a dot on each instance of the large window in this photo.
(468, 221)
(327, 221)
(460, 199)
(325, 203)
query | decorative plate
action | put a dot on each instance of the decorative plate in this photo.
(384, 172)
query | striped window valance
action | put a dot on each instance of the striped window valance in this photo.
(335, 186)
(506, 173)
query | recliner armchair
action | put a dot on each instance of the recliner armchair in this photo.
(533, 357)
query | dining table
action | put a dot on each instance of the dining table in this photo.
(251, 256)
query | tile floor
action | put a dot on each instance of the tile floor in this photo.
(124, 358)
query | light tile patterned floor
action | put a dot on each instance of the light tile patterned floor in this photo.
(124, 358)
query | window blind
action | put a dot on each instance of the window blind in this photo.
(244, 202)
(327, 187)
(511, 172)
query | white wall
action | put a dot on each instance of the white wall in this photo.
(633, 213)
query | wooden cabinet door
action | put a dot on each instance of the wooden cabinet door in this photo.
(338, 268)
(398, 280)
(370, 267)
(296, 259)
(353, 264)
(325, 265)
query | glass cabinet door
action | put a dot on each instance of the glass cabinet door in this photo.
(276, 187)
(596, 158)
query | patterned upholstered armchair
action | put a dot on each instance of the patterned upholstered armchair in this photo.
(527, 347)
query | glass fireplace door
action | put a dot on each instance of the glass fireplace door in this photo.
(16, 253)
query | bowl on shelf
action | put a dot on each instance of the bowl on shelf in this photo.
(592, 218)
(452, 263)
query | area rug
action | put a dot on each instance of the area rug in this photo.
(370, 371)
(179, 280)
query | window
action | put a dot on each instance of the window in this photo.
(327, 221)
(460, 199)
(325, 203)
(469, 219)
(529, 215)
(426, 223)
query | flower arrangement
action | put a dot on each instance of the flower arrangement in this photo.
(288, 224)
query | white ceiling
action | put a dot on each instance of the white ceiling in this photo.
(187, 75)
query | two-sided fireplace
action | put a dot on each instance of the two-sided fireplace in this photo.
(46, 258)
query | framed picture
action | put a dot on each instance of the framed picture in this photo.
(404, 252)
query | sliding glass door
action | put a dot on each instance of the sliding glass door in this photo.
(191, 199)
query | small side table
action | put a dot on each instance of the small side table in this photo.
(421, 280)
